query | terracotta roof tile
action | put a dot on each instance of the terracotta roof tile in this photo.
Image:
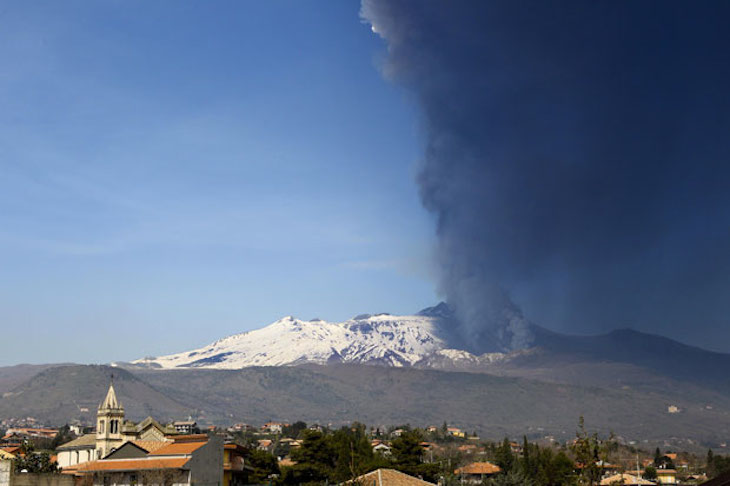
(625, 479)
(389, 477)
(140, 464)
(478, 468)
(150, 445)
(175, 448)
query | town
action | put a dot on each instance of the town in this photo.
(118, 451)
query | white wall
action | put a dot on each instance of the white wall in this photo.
(73, 457)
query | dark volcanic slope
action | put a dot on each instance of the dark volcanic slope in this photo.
(656, 353)
(12, 376)
(494, 405)
(59, 395)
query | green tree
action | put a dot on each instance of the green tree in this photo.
(264, 465)
(649, 473)
(587, 454)
(354, 454)
(503, 456)
(315, 460)
(292, 431)
(510, 479)
(34, 462)
(406, 450)
(717, 464)
(64, 435)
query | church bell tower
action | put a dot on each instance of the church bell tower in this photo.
(109, 420)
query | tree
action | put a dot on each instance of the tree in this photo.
(34, 462)
(510, 479)
(649, 473)
(263, 464)
(503, 456)
(292, 431)
(586, 451)
(717, 464)
(354, 454)
(315, 460)
(407, 451)
(64, 435)
(662, 461)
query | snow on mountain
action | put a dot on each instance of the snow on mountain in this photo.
(372, 339)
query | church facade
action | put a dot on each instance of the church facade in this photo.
(112, 431)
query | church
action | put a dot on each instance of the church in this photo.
(112, 431)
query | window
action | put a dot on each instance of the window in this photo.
(101, 426)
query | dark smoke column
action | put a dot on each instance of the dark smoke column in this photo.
(574, 159)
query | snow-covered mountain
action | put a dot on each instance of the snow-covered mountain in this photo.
(381, 339)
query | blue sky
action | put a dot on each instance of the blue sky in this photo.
(174, 172)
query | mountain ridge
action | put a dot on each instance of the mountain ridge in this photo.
(430, 339)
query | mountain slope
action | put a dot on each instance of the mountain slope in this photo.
(337, 394)
(380, 339)
(64, 393)
(432, 339)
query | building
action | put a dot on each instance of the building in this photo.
(626, 480)
(112, 432)
(456, 432)
(80, 450)
(477, 472)
(235, 469)
(380, 447)
(388, 477)
(666, 476)
(273, 427)
(187, 460)
(185, 426)
(27, 433)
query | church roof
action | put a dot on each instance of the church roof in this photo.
(111, 402)
(87, 441)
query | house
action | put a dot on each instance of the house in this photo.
(27, 433)
(265, 444)
(14, 451)
(185, 426)
(187, 460)
(6, 455)
(666, 476)
(235, 469)
(626, 479)
(381, 448)
(273, 427)
(477, 472)
(82, 449)
(456, 432)
(388, 477)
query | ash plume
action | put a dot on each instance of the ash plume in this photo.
(577, 160)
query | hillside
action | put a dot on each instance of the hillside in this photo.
(65, 393)
(495, 406)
